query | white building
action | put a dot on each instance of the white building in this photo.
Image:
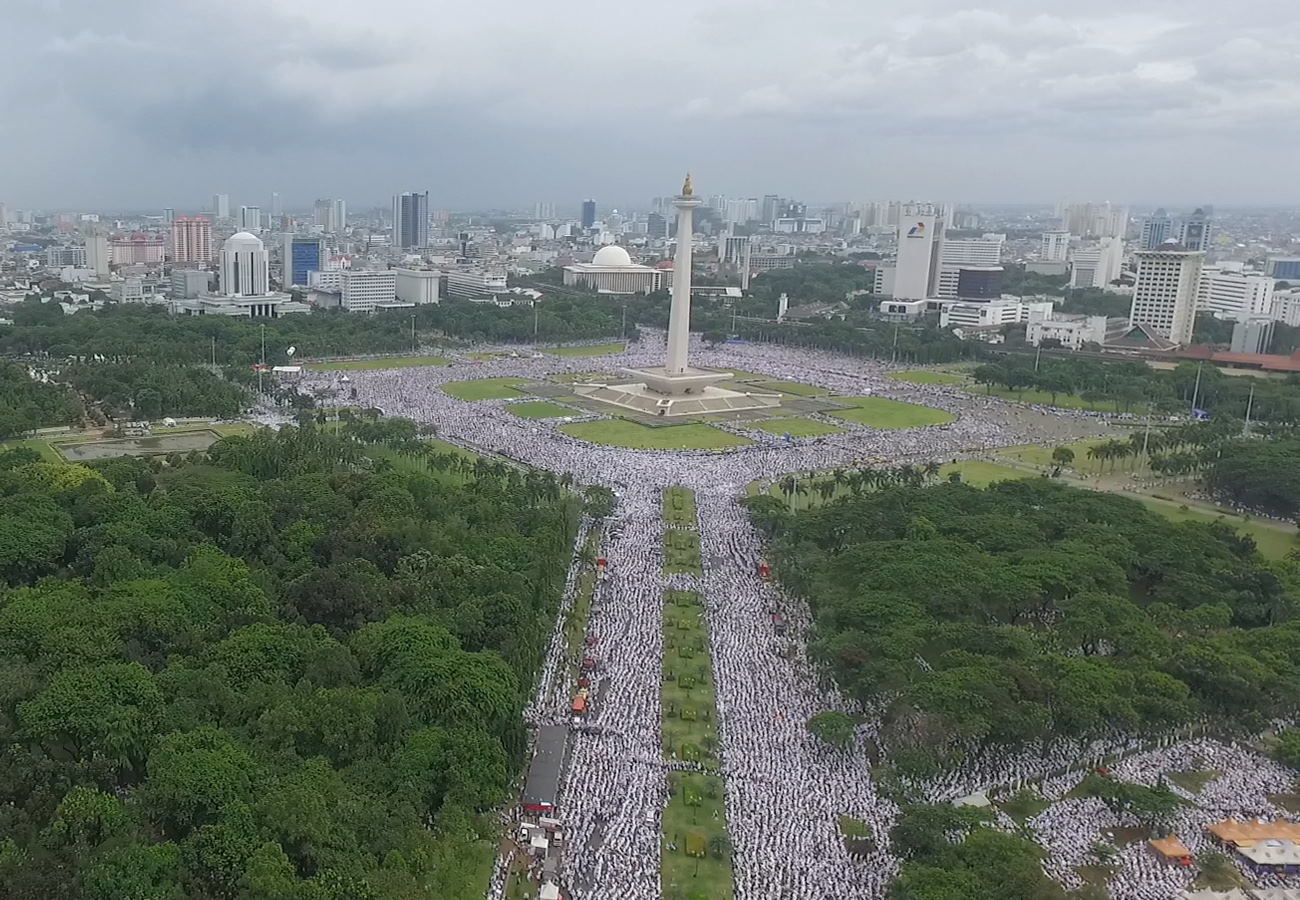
(1165, 291)
(97, 254)
(1056, 246)
(364, 291)
(954, 256)
(418, 286)
(472, 284)
(221, 206)
(245, 271)
(1286, 307)
(129, 290)
(991, 314)
(1097, 266)
(250, 218)
(188, 284)
(1227, 292)
(1071, 331)
(920, 244)
(611, 271)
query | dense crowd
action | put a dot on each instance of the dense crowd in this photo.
(785, 790)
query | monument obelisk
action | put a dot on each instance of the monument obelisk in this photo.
(679, 313)
(676, 389)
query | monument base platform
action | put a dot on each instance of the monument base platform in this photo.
(697, 399)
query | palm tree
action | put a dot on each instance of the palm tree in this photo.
(931, 469)
(787, 487)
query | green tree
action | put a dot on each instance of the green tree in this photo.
(833, 727)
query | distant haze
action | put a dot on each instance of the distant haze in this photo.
(140, 104)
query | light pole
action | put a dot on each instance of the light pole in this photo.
(413, 346)
(1196, 390)
(1250, 401)
(261, 368)
(535, 312)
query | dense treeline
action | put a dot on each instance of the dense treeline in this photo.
(1135, 387)
(1263, 475)
(148, 391)
(291, 669)
(1032, 610)
(26, 403)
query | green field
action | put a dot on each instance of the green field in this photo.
(880, 412)
(484, 389)
(587, 350)
(390, 362)
(1272, 541)
(539, 409)
(679, 507)
(1062, 401)
(796, 427)
(926, 376)
(981, 474)
(626, 433)
(47, 447)
(682, 552)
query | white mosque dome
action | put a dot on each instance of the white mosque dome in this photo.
(243, 239)
(611, 255)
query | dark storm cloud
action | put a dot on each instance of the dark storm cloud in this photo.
(145, 103)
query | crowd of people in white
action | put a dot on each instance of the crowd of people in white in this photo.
(785, 790)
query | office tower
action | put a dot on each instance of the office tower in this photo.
(221, 206)
(1165, 292)
(301, 255)
(588, 213)
(656, 226)
(1254, 335)
(250, 218)
(1195, 231)
(771, 208)
(192, 240)
(4, 215)
(919, 247)
(97, 254)
(983, 254)
(277, 209)
(718, 202)
(245, 271)
(543, 210)
(330, 215)
(169, 215)
(1094, 220)
(411, 220)
(1228, 292)
(1056, 246)
(1156, 230)
(364, 290)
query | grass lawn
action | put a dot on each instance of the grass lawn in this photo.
(679, 507)
(980, 474)
(1024, 805)
(880, 412)
(682, 552)
(484, 389)
(43, 447)
(588, 350)
(392, 362)
(446, 447)
(695, 860)
(626, 433)
(1193, 782)
(926, 376)
(1272, 541)
(1041, 456)
(797, 427)
(1063, 401)
(540, 409)
(794, 388)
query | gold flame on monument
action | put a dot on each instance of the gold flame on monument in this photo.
(688, 189)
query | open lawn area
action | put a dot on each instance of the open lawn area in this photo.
(980, 474)
(881, 412)
(1041, 456)
(389, 362)
(679, 507)
(1272, 541)
(796, 427)
(1061, 401)
(484, 389)
(540, 409)
(626, 433)
(926, 376)
(587, 350)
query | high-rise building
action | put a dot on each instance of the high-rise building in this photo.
(192, 240)
(956, 255)
(1156, 230)
(221, 206)
(250, 218)
(656, 226)
(97, 254)
(363, 290)
(1228, 292)
(1056, 246)
(1194, 233)
(411, 220)
(543, 210)
(771, 208)
(588, 213)
(1284, 268)
(1094, 220)
(302, 254)
(169, 215)
(1165, 291)
(277, 208)
(137, 250)
(4, 215)
(245, 270)
(58, 257)
(330, 215)
(920, 242)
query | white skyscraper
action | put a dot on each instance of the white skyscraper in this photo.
(919, 248)
(1165, 292)
(245, 271)
(1056, 246)
(97, 253)
(221, 206)
(250, 218)
(277, 208)
(964, 254)
(1227, 292)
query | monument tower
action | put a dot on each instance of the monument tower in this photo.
(676, 388)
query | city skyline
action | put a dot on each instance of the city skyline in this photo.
(842, 101)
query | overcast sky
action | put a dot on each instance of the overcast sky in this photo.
(138, 104)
